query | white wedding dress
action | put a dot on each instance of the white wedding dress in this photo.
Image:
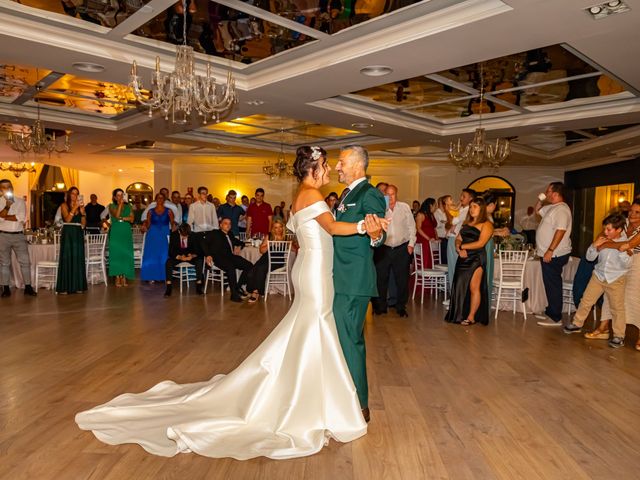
(287, 398)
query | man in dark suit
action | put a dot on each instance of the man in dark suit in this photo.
(222, 249)
(182, 248)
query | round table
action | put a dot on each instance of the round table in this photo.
(37, 253)
(537, 301)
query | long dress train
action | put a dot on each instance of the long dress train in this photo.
(287, 398)
(459, 303)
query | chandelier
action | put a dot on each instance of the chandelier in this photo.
(182, 91)
(37, 141)
(479, 153)
(280, 168)
(18, 168)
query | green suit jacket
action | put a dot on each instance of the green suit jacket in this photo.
(354, 272)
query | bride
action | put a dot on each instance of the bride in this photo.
(289, 396)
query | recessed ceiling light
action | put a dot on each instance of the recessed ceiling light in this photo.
(120, 170)
(603, 10)
(88, 67)
(376, 70)
(362, 125)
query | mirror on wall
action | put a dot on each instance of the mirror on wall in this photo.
(505, 195)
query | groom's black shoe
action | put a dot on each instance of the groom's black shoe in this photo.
(402, 312)
(365, 414)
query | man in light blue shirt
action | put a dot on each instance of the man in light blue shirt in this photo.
(609, 276)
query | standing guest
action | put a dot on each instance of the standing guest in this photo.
(624, 208)
(252, 201)
(259, 216)
(277, 214)
(553, 246)
(331, 200)
(257, 276)
(202, 217)
(137, 211)
(223, 249)
(94, 211)
(167, 204)
(415, 208)
(176, 199)
(216, 203)
(470, 302)
(490, 202)
(426, 229)
(188, 200)
(466, 197)
(444, 218)
(71, 264)
(382, 187)
(210, 198)
(183, 248)
(13, 215)
(232, 211)
(395, 255)
(632, 287)
(121, 263)
(158, 225)
(242, 224)
(529, 224)
(609, 277)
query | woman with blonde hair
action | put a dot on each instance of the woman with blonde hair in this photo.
(257, 276)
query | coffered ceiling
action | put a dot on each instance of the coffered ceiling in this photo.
(563, 86)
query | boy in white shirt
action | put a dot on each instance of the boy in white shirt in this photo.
(609, 276)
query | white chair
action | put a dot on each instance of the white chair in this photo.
(278, 274)
(289, 236)
(214, 274)
(47, 270)
(184, 272)
(510, 284)
(95, 245)
(436, 258)
(567, 301)
(138, 248)
(428, 278)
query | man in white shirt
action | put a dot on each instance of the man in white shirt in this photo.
(395, 255)
(452, 255)
(553, 246)
(13, 215)
(202, 217)
(609, 277)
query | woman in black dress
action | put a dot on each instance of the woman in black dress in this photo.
(470, 301)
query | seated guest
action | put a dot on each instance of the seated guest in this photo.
(222, 248)
(182, 248)
(609, 277)
(257, 276)
(469, 293)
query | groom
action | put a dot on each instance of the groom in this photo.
(354, 273)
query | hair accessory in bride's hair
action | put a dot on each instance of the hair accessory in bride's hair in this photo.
(316, 153)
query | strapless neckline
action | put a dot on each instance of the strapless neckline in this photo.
(308, 206)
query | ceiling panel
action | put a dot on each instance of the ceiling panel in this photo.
(15, 79)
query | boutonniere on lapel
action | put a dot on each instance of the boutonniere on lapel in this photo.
(343, 207)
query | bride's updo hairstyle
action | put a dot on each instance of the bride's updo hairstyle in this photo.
(308, 160)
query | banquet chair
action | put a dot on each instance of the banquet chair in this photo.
(510, 283)
(138, 248)
(214, 274)
(428, 278)
(279, 253)
(289, 236)
(567, 301)
(47, 270)
(185, 273)
(95, 245)
(436, 259)
(242, 236)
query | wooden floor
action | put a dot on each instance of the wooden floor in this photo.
(508, 401)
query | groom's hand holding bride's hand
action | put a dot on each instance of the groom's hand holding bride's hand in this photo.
(374, 225)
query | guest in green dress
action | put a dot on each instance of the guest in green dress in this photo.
(71, 264)
(490, 202)
(121, 240)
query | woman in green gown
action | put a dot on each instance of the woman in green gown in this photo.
(71, 264)
(121, 240)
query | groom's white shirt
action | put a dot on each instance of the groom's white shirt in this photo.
(351, 186)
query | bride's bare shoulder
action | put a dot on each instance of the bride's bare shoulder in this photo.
(305, 197)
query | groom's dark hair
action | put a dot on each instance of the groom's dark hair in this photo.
(360, 152)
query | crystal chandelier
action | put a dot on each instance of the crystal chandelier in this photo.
(38, 141)
(280, 168)
(478, 153)
(18, 168)
(182, 91)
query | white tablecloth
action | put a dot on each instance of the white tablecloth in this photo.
(37, 253)
(537, 301)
